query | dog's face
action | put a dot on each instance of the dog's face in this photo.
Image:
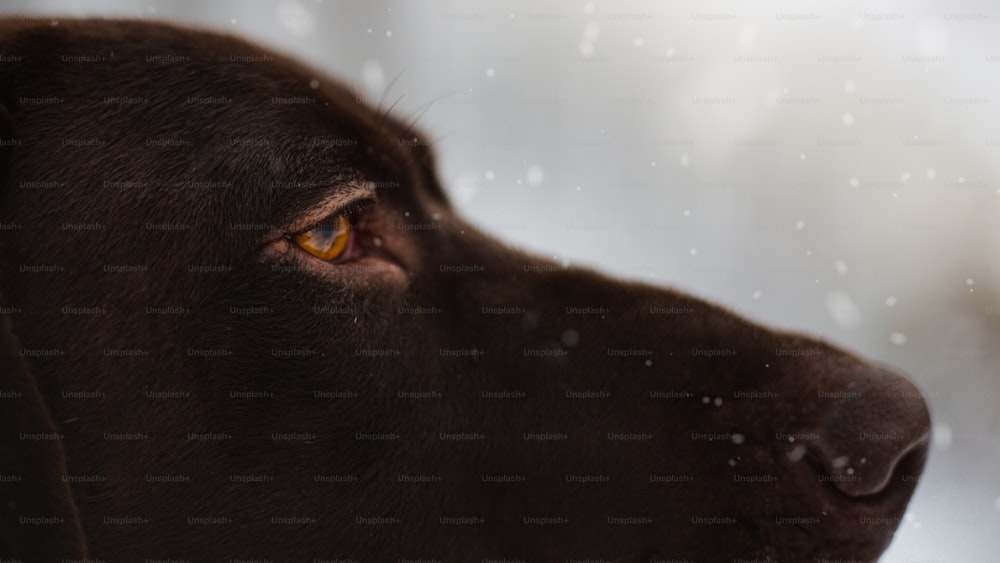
(236, 373)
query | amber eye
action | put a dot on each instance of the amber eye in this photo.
(327, 242)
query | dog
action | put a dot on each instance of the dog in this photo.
(241, 322)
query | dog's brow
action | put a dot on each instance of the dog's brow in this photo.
(331, 198)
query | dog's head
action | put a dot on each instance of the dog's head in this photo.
(242, 321)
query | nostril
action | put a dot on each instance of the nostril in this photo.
(878, 431)
(873, 474)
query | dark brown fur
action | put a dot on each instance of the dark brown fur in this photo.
(87, 358)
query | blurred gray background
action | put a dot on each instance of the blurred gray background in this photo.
(825, 167)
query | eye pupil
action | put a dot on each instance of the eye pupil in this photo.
(327, 242)
(324, 235)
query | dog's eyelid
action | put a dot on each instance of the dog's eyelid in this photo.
(350, 209)
(344, 199)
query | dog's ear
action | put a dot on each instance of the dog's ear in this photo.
(38, 516)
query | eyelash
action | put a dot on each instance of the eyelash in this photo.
(351, 210)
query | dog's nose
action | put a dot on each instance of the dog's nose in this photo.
(875, 431)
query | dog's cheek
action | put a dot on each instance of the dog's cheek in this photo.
(279, 330)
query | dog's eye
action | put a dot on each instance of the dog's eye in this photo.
(329, 242)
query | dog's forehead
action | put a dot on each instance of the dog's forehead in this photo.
(232, 122)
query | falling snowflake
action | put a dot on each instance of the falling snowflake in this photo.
(535, 176)
(941, 436)
(373, 76)
(295, 18)
(591, 32)
(465, 187)
(842, 309)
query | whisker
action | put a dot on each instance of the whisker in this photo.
(388, 88)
